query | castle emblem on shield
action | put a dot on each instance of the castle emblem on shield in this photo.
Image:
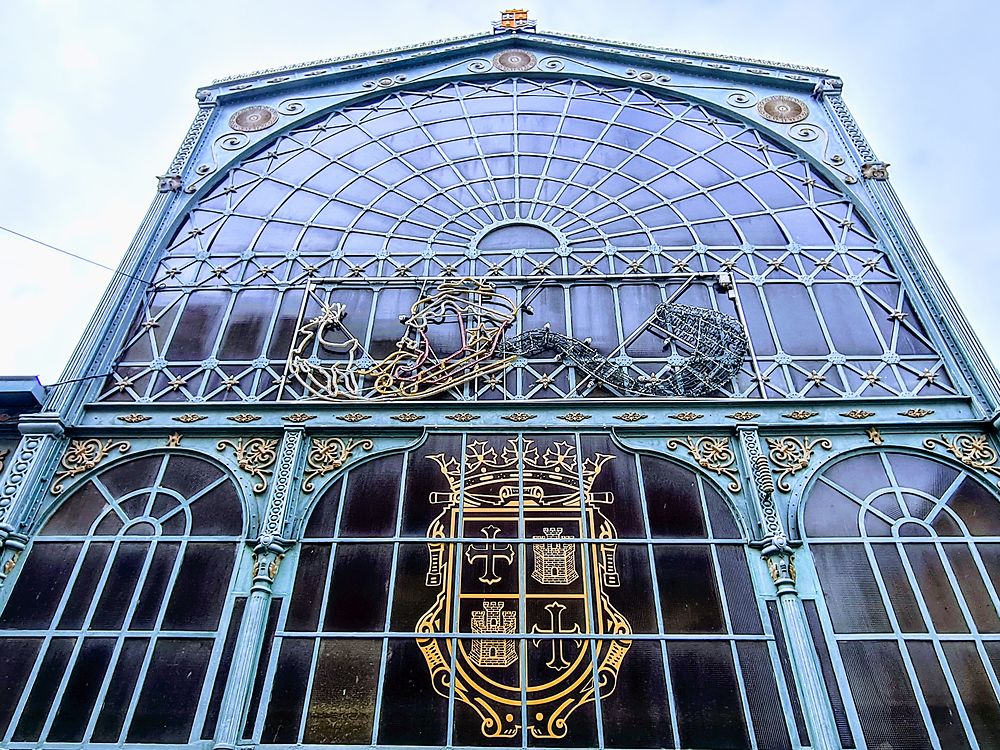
(555, 598)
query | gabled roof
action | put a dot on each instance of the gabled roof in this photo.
(552, 39)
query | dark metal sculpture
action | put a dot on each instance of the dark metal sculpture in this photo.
(716, 341)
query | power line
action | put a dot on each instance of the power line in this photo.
(72, 255)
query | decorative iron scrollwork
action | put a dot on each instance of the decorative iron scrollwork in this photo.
(791, 455)
(717, 342)
(714, 343)
(713, 454)
(972, 450)
(256, 456)
(83, 455)
(329, 454)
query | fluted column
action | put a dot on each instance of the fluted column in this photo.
(268, 550)
(25, 483)
(781, 563)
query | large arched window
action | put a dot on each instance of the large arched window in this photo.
(617, 197)
(112, 630)
(907, 550)
(475, 590)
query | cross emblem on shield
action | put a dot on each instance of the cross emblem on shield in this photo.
(493, 610)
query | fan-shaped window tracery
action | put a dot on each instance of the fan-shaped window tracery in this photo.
(908, 552)
(574, 181)
(112, 630)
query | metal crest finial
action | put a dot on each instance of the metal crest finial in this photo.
(514, 19)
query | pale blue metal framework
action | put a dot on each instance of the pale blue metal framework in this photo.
(764, 445)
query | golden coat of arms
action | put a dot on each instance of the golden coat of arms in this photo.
(554, 599)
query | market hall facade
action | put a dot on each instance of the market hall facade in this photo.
(514, 390)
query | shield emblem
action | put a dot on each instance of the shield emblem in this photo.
(554, 598)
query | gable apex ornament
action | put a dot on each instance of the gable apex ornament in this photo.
(514, 19)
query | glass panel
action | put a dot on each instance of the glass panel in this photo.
(176, 669)
(342, 701)
(672, 499)
(81, 690)
(939, 700)
(849, 586)
(637, 713)
(18, 658)
(359, 587)
(291, 681)
(412, 712)
(39, 586)
(766, 709)
(119, 696)
(978, 693)
(43, 690)
(689, 596)
(709, 710)
(197, 600)
(883, 695)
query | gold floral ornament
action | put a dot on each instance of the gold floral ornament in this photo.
(244, 418)
(354, 417)
(84, 455)
(133, 418)
(188, 418)
(255, 456)
(329, 454)
(631, 416)
(574, 416)
(299, 417)
(792, 455)
(971, 450)
(519, 416)
(857, 414)
(743, 416)
(687, 416)
(713, 454)
(916, 413)
(800, 415)
(462, 417)
(407, 417)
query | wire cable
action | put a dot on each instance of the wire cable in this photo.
(71, 255)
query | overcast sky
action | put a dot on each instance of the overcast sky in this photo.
(97, 95)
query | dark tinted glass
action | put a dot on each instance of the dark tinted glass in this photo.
(197, 600)
(342, 701)
(359, 587)
(15, 666)
(709, 713)
(177, 669)
(412, 713)
(672, 499)
(43, 691)
(40, 585)
(852, 595)
(81, 690)
(637, 713)
(689, 595)
(886, 704)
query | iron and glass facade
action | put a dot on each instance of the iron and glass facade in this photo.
(517, 390)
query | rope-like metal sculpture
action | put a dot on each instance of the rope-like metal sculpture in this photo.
(717, 342)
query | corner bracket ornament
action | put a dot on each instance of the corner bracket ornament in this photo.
(791, 455)
(974, 451)
(84, 455)
(713, 454)
(329, 454)
(255, 456)
(875, 170)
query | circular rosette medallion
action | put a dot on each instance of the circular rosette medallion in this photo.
(514, 61)
(252, 119)
(783, 109)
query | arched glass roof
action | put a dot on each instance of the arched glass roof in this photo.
(599, 164)
(621, 198)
